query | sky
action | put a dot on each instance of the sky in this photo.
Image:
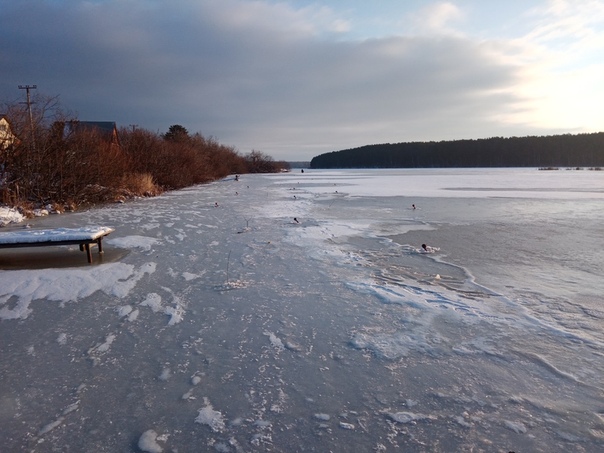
(298, 78)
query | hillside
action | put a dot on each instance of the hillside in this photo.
(582, 150)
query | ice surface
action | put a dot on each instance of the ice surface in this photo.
(328, 334)
(461, 183)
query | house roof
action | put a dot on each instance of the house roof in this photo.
(6, 135)
(106, 129)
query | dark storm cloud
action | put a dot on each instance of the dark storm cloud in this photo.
(252, 74)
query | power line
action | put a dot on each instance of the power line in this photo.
(31, 118)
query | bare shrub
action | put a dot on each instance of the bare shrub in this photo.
(55, 161)
(140, 184)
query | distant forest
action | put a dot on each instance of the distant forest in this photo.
(583, 150)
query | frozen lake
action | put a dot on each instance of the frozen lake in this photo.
(236, 328)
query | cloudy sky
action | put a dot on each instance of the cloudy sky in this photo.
(296, 78)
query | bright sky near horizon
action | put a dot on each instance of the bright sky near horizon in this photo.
(297, 78)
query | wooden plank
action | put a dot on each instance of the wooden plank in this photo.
(48, 238)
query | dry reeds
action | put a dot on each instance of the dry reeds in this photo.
(140, 184)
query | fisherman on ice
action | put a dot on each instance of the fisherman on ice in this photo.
(427, 249)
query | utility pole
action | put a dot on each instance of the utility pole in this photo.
(31, 118)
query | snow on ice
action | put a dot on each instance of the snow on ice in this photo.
(331, 333)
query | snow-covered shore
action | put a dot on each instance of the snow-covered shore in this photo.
(9, 215)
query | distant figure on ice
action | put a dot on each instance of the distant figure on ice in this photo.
(236, 177)
(302, 171)
(296, 220)
(216, 204)
(427, 249)
(413, 206)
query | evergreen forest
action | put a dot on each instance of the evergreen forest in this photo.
(582, 150)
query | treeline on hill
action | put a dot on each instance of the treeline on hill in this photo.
(56, 162)
(583, 150)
